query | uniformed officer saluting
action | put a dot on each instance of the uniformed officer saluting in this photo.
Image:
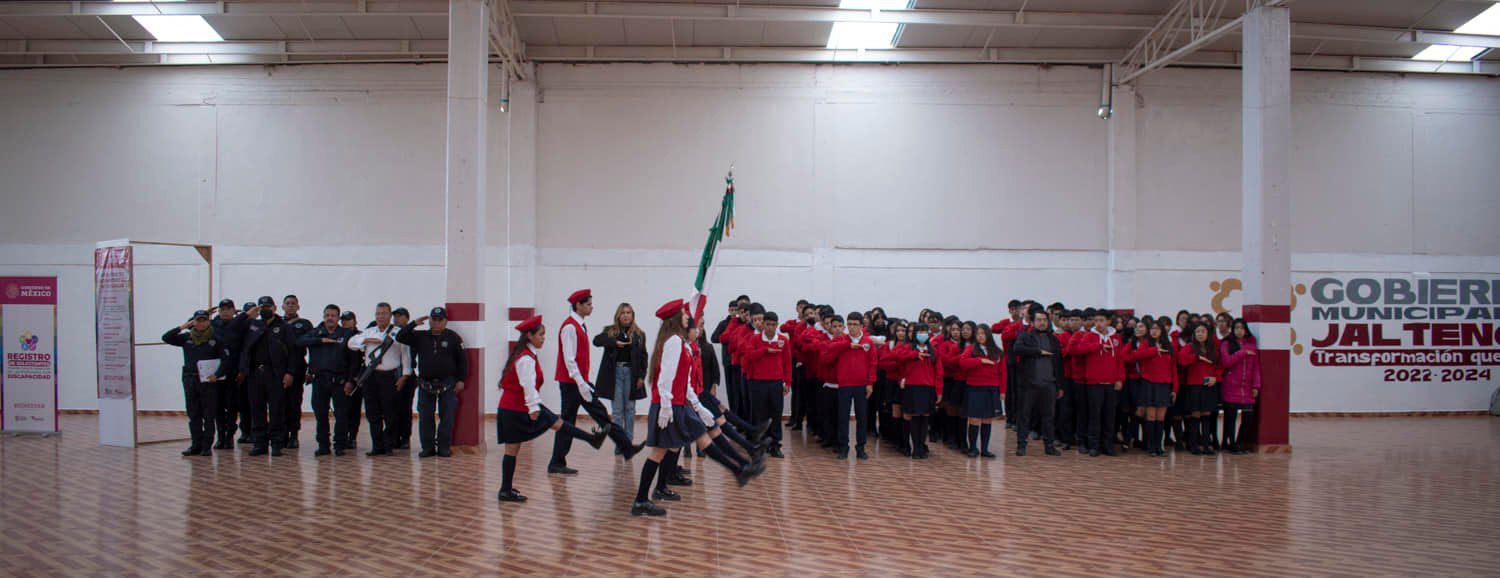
(293, 398)
(203, 366)
(441, 365)
(391, 366)
(229, 391)
(328, 367)
(267, 360)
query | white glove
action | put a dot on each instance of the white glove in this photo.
(704, 414)
(587, 391)
(831, 385)
(664, 417)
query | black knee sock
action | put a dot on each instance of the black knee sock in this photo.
(507, 472)
(1209, 433)
(716, 454)
(905, 440)
(648, 471)
(1178, 431)
(1154, 434)
(984, 436)
(738, 438)
(971, 432)
(1190, 431)
(723, 444)
(922, 435)
(667, 468)
(574, 430)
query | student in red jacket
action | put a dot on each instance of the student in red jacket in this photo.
(1129, 416)
(768, 371)
(950, 347)
(1156, 354)
(819, 339)
(1099, 351)
(984, 369)
(1201, 358)
(1006, 331)
(1072, 407)
(888, 365)
(792, 327)
(852, 353)
(921, 384)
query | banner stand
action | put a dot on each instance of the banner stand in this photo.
(114, 328)
(28, 347)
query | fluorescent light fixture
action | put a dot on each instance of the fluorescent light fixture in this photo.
(1448, 53)
(1486, 23)
(179, 28)
(867, 35)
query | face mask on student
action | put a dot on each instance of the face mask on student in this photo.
(922, 337)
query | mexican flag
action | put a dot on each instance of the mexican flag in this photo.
(723, 223)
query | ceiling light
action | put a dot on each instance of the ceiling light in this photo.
(1486, 23)
(179, 28)
(860, 35)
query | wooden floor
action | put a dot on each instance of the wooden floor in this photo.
(1359, 497)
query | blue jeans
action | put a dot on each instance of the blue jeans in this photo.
(622, 408)
(446, 406)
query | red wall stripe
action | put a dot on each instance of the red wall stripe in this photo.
(465, 311)
(1268, 313)
(470, 416)
(1274, 403)
(520, 313)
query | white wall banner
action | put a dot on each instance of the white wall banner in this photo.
(114, 329)
(1375, 341)
(28, 341)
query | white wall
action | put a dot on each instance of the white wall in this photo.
(904, 186)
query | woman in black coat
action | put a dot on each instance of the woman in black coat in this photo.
(622, 371)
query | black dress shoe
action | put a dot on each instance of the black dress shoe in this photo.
(679, 480)
(646, 509)
(1094, 453)
(563, 470)
(322, 451)
(1020, 450)
(511, 496)
(748, 473)
(373, 453)
(841, 454)
(338, 452)
(599, 435)
(860, 453)
(224, 444)
(1052, 451)
(445, 453)
(258, 451)
(665, 495)
(275, 452)
(404, 445)
(1111, 452)
(775, 452)
(631, 451)
(427, 453)
(192, 450)
(987, 455)
(207, 451)
(973, 453)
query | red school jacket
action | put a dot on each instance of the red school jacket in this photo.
(852, 367)
(1197, 369)
(761, 364)
(978, 374)
(916, 371)
(949, 353)
(1102, 357)
(1156, 367)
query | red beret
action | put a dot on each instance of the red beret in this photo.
(580, 296)
(528, 325)
(671, 308)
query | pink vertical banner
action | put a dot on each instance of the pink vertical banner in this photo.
(28, 344)
(114, 326)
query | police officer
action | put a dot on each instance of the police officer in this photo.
(352, 395)
(236, 329)
(389, 363)
(293, 399)
(328, 368)
(441, 365)
(400, 318)
(267, 359)
(203, 366)
(229, 391)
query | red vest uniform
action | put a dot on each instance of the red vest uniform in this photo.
(583, 352)
(512, 396)
(683, 375)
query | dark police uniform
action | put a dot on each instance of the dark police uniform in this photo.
(230, 392)
(267, 359)
(293, 399)
(440, 362)
(202, 396)
(328, 364)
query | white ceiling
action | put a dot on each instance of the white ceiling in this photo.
(385, 30)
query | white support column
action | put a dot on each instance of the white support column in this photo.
(1266, 216)
(1120, 279)
(465, 171)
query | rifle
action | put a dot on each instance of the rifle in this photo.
(373, 358)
